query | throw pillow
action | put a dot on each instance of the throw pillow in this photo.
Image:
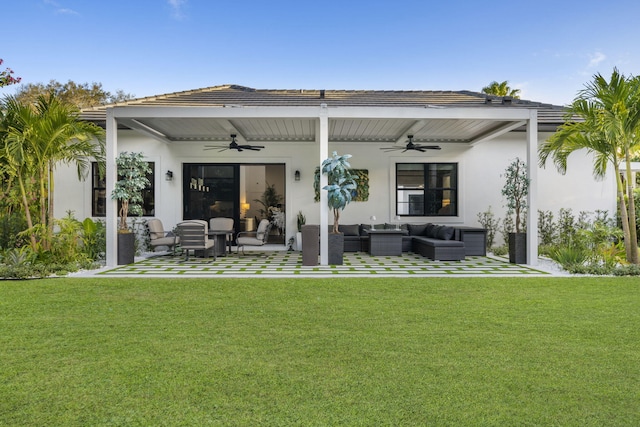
(445, 233)
(416, 229)
(349, 230)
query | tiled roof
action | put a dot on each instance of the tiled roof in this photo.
(229, 95)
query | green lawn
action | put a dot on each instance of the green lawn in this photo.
(438, 351)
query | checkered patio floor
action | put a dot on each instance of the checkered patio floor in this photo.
(289, 264)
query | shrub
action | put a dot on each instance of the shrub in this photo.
(93, 239)
(546, 228)
(569, 255)
(500, 250)
(11, 224)
(489, 222)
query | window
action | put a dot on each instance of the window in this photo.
(427, 189)
(99, 192)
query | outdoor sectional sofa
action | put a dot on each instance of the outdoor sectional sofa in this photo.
(436, 242)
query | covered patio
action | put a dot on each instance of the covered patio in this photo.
(319, 122)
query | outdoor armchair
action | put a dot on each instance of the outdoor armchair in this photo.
(159, 237)
(194, 236)
(254, 238)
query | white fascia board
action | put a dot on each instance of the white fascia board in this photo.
(478, 113)
(133, 112)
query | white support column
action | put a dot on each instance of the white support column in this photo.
(322, 136)
(111, 175)
(532, 174)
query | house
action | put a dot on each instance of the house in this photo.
(186, 137)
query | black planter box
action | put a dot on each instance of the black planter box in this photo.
(336, 248)
(518, 248)
(310, 244)
(126, 248)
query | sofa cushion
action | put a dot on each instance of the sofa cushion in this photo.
(349, 229)
(433, 231)
(428, 231)
(445, 233)
(416, 229)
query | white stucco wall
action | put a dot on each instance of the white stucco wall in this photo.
(480, 181)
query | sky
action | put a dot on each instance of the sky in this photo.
(549, 49)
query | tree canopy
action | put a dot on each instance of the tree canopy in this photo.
(34, 139)
(501, 89)
(609, 129)
(82, 95)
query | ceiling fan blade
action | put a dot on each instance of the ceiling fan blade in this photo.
(252, 147)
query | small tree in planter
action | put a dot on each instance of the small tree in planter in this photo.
(515, 190)
(132, 174)
(340, 184)
(340, 187)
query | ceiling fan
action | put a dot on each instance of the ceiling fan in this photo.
(411, 146)
(233, 145)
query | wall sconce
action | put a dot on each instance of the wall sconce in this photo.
(296, 175)
(168, 176)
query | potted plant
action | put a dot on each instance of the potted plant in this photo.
(302, 220)
(515, 190)
(340, 187)
(132, 179)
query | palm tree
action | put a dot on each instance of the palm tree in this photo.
(501, 89)
(37, 138)
(609, 129)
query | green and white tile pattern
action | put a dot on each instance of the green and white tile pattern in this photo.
(289, 264)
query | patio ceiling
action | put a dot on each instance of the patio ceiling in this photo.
(190, 129)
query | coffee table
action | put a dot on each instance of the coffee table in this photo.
(385, 242)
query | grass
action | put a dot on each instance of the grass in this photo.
(476, 351)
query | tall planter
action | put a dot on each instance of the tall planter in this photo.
(515, 190)
(518, 248)
(126, 248)
(336, 248)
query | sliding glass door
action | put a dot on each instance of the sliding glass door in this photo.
(211, 190)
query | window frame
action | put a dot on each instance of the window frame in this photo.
(99, 192)
(416, 198)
